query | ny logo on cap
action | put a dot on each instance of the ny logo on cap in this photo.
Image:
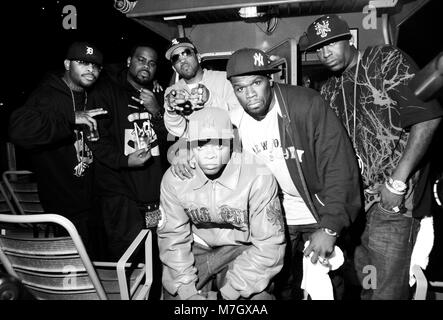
(258, 60)
(322, 29)
(89, 50)
(174, 41)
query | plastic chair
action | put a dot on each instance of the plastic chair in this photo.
(60, 268)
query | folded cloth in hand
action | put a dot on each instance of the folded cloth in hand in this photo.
(422, 247)
(316, 280)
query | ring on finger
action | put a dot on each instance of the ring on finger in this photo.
(142, 102)
(323, 260)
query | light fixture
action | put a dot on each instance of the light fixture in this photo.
(174, 17)
(382, 3)
(250, 12)
(124, 6)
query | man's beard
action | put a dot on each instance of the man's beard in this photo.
(189, 73)
(142, 80)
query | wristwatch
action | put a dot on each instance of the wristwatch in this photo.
(397, 185)
(330, 232)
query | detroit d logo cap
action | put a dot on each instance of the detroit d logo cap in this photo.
(86, 52)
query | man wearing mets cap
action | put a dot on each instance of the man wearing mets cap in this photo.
(304, 145)
(390, 129)
(197, 88)
(223, 228)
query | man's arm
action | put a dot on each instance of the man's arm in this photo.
(419, 139)
(337, 167)
(105, 149)
(175, 242)
(252, 271)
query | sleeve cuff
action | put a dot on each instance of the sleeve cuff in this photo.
(186, 291)
(229, 293)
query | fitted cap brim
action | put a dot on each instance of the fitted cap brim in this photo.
(318, 44)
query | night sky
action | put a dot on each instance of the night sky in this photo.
(34, 40)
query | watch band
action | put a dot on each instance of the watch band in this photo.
(330, 232)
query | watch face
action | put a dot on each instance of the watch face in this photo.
(398, 185)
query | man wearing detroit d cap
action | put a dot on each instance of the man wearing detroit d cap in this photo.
(47, 126)
(391, 130)
(304, 145)
(222, 229)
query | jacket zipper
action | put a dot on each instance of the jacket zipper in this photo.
(213, 198)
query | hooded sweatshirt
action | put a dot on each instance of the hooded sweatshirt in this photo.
(45, 127)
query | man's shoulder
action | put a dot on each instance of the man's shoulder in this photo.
(253, 165)
(215, 74)
(299, 98)
(171, 181)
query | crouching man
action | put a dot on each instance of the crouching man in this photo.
(223, 228)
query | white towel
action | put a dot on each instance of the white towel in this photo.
(422, 247)
(316, 280)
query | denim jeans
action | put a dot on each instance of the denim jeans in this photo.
(383, 258)
(212, 265)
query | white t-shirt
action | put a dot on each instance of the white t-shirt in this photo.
(263, 139)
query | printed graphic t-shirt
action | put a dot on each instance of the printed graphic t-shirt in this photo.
(384, 109)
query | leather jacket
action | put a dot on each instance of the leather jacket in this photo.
(240, 207)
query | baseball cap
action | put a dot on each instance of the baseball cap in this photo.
(176, 43)
(210, 123)
(86, 52)
(324, 30)
(248, 61)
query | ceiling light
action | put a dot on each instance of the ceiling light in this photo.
(383, 3)
(174, 17)
(250, 12)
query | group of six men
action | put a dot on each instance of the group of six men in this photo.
(262, 173)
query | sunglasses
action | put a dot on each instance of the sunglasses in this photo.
(185, 53)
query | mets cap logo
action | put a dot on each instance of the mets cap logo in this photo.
(322, 28)
(174, 41)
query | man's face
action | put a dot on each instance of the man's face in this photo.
(212, 155)
(254, 94)
(335, 56)
(143, 65)
(185, 62)
(83, 74)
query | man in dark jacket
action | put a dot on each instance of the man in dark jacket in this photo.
(52, 125)
(129, 167)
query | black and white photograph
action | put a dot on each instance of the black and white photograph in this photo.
(252, 151)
